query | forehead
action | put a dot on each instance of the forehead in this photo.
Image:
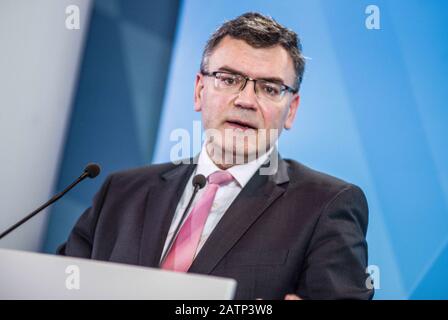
(254, 62)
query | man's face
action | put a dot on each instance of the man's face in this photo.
(243, 113)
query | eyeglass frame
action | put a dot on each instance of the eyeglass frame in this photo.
(284, 87)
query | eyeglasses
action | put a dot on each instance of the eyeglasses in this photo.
(233, 83)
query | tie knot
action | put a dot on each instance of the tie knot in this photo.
(220, 178)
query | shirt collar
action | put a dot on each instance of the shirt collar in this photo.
(242, 172)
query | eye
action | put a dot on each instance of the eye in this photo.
(271, 89)
(228, 80)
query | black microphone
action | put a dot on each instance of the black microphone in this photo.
(91, 170)
(199, 181)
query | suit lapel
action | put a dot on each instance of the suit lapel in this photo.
(161, 203)
(260, 192)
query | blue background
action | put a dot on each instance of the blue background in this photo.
(372, 112)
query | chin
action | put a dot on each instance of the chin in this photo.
(237, 147)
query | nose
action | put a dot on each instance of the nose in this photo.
(247, 97)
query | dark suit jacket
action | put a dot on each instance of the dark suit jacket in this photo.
(297, 231)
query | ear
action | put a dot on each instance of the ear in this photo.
(292, 111)
(198, 90)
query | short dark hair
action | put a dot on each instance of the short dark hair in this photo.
(259, 31)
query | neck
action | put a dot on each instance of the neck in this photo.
(220, 162)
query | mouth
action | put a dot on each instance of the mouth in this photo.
(238, 124)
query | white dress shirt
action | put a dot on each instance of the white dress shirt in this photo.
(224, 196)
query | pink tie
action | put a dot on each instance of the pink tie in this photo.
(184, 248)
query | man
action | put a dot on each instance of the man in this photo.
(292, 233)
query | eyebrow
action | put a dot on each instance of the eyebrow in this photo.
(269, 79)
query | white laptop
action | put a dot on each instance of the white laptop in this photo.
(25, 275)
